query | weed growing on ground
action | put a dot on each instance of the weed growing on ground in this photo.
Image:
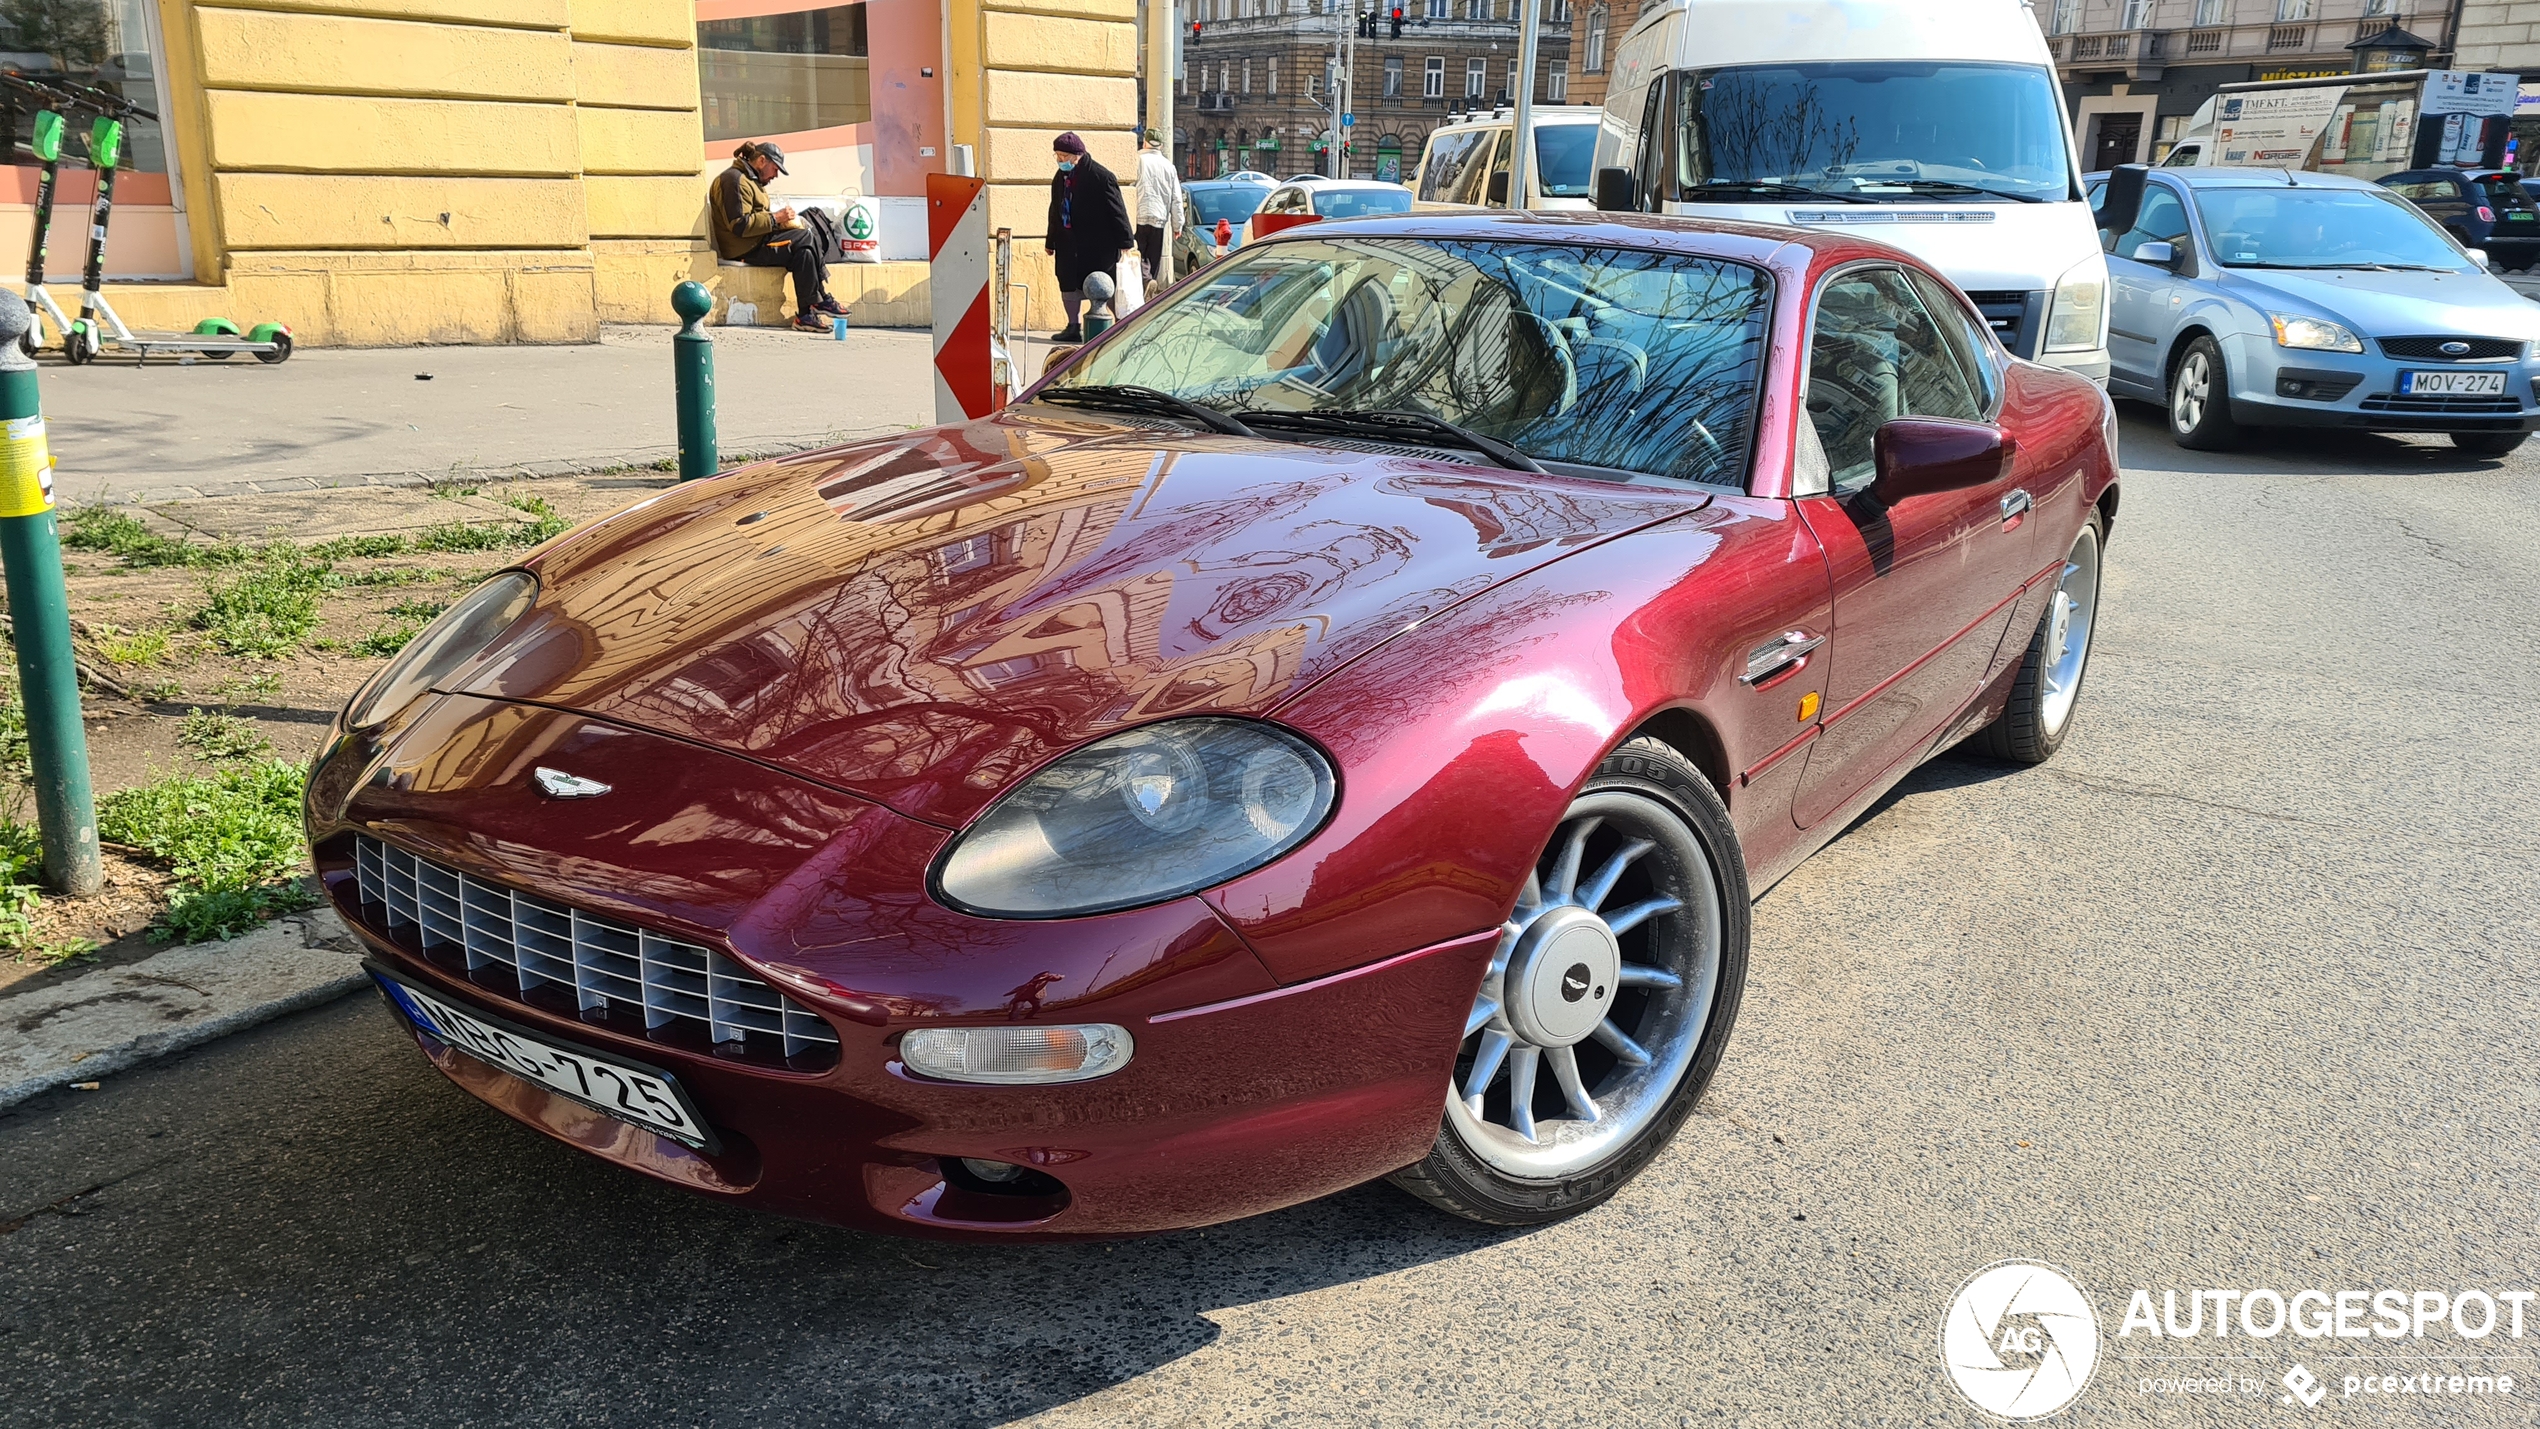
(157, 692)
(138, 648)
(260, 686)
(395, 576)
(232, 838)
(268, 608)
(222, 738)
(118, 533)
(22, 846)
(405, 620)
(345, 548)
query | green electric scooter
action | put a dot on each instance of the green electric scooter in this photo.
(45, 144)
(84, 337)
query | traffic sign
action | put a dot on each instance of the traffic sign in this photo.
(1349, 121)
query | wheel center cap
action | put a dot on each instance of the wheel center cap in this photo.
(1561, 977)
(2062, 634)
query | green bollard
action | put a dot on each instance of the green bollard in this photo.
(1097, 322)
(692, 359)
(40, 616)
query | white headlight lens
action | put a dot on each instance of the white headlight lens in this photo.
(1013, 1056)
(2314, 334)
(2078, 316)
(444, 645)
(1145, 815)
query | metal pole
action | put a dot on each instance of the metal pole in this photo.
(1349, 91)
(1164, 35)
(40, 617)
(692, 365)
(1001, 320)
(1521, 155)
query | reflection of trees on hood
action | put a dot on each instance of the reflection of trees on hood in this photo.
(1749, 136)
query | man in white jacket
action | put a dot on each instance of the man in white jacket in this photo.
(1159, 199)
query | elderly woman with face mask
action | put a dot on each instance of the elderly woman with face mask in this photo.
(1088, 225)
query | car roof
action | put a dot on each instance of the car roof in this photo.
(1544, 114)
(1229, 184)
(2223, 178)
(1755, 243)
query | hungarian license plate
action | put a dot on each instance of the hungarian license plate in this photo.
(650, 1098)
(2452, 384)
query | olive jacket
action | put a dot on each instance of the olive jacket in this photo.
(743, 218)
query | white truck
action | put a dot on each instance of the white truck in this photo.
(1933, 125)
(2361, 125)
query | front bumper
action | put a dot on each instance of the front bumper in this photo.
(2273, 386)
(1243, 1096)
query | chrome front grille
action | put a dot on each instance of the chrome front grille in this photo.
(561, 959)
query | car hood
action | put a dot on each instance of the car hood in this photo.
(924, 619)
(2398, 304)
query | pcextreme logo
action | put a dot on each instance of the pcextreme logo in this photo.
(2020, 1340)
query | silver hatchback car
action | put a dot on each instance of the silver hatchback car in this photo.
(2245, 298)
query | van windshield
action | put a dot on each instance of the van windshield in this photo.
(1565, 160)
(1870, 131)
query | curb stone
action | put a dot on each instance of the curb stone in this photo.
(117, 1018)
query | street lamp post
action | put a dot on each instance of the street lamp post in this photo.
(1521, 153)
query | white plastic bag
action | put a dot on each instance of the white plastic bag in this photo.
(740, 314)
(1129, 288)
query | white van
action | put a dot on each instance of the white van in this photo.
(1466, 160)
(1933, 125)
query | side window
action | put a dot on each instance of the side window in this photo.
(1875, 356)
(1963, 334)
(1473, 183)
(2162, 219)
(1649, 166)
(1445, 164)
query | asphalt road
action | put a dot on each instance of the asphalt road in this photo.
(2237, 992)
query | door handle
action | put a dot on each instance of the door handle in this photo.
(1781, 653)
(2015, 506)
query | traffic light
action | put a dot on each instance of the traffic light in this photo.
(1397, 22)
(1195, 29)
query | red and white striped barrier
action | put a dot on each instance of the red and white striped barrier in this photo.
(957, 283)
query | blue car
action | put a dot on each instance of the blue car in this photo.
(2242, 298)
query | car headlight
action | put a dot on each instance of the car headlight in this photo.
(2077, 318)
(450, 641)
(2313, 334)
(1145, 815)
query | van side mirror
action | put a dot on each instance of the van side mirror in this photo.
(2156, 253)
(1615, 191)
(1917, 456)
(1498, 196)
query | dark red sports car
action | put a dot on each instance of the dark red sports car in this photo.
(1332, 729)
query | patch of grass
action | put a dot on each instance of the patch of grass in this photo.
(120, 534)
(387, 640)
(157, 692)
(232, 838)
(267, 609)
(394, 576)
(138, 648)
(547, 527)
(262, 685)
(221, 738)
(358, 547)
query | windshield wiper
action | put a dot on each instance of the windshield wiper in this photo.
(1122, 397)
(1768, 186)
(2347, 267)
(1948, 186)
(1396, 424)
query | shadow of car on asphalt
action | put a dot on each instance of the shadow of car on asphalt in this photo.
(2144, 445)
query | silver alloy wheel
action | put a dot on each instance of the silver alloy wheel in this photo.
(1605, 979)
(2189, 393)
(2075, 611)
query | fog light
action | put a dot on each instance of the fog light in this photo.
(1015, 1055)
(997, 1171)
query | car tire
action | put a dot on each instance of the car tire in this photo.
(2047, 690)
(2490, 443)
(2200, 399)
(1647, 830)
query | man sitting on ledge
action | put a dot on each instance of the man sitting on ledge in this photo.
(748, 231)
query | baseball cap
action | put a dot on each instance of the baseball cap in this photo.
(761, 149)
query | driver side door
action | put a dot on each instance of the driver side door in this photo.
(2144, 298)
(1923, 589)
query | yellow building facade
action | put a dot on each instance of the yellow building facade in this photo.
(374, 172)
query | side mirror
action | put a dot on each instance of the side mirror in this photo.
(1498, 196)
(2479, 257)
(1917, 456)
(2121, 199)
(2156, 253)
(1615, 191)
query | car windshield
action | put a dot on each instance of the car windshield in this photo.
(2276, 226)
(1234, 203)
(1359, 203)
(1565, 159)
(1883, 131)
(1622, 359)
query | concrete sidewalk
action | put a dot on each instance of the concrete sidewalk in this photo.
(349, 417)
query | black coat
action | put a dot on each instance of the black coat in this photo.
(1098, 227)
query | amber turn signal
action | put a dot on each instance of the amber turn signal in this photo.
(1808, 706)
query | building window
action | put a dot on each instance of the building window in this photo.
(1247, 77)
(1476, 75)
(1433, 78)
(782, 74)
(2210, 12)
(1274, 77)
(2376, 7)
(1437, 9)
(2292, 10)
(2137, 14)
(1476, 9)
(1512, 82)
(1558, 87)
(1560, 12)
(2067, 17)
(1592, 54)
(1393, 78)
